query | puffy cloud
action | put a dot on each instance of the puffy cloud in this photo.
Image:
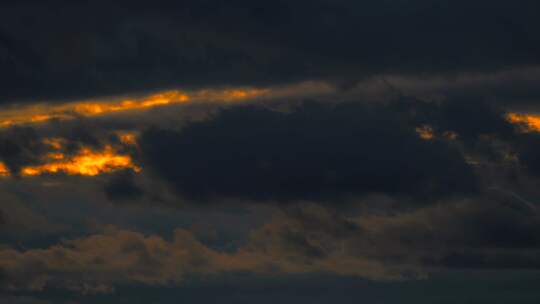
(305, 239)
(97, 263)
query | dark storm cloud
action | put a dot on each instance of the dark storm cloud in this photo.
(72, 50)
(314, 152)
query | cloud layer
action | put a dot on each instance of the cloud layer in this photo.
(57, 51)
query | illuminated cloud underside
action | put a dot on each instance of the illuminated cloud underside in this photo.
(86, 162)
(425, 132)
(44, 112)
(4, 171)
(531, 122)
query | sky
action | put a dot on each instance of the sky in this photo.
(321, 151)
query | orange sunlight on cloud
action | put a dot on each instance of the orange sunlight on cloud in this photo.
(85, 162)
(44, 112)
(425, 132)
(531, 122)
(128, 138)
(4, 171)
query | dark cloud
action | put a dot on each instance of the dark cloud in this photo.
(20, 221)
(481, 130)
(306, 239)
(122, 186)
(23, 300)
(481, 127)
(512, 88)
(20, 146)
(349, 184)
(59, 51)
(528, 149)
(314, 152)
(470, 118)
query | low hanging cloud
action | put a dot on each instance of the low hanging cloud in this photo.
(98, 263)
(479, 233)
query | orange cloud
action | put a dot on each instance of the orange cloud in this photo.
(529, 121)
(127, 138)
(42, 112)
(425, 132)
(55, 142)
(4, 171)
(86, 162)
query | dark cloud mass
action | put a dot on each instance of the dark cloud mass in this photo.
(310, 151)
(315, 152)
(58, 50)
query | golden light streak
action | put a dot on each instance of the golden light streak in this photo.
(531, 122)
(43, 112)
(86, 162)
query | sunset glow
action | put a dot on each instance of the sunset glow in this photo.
(85, 162)
(128, 138)
(531, 122)
(42, 112)
(425, 132)
(4, 171)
